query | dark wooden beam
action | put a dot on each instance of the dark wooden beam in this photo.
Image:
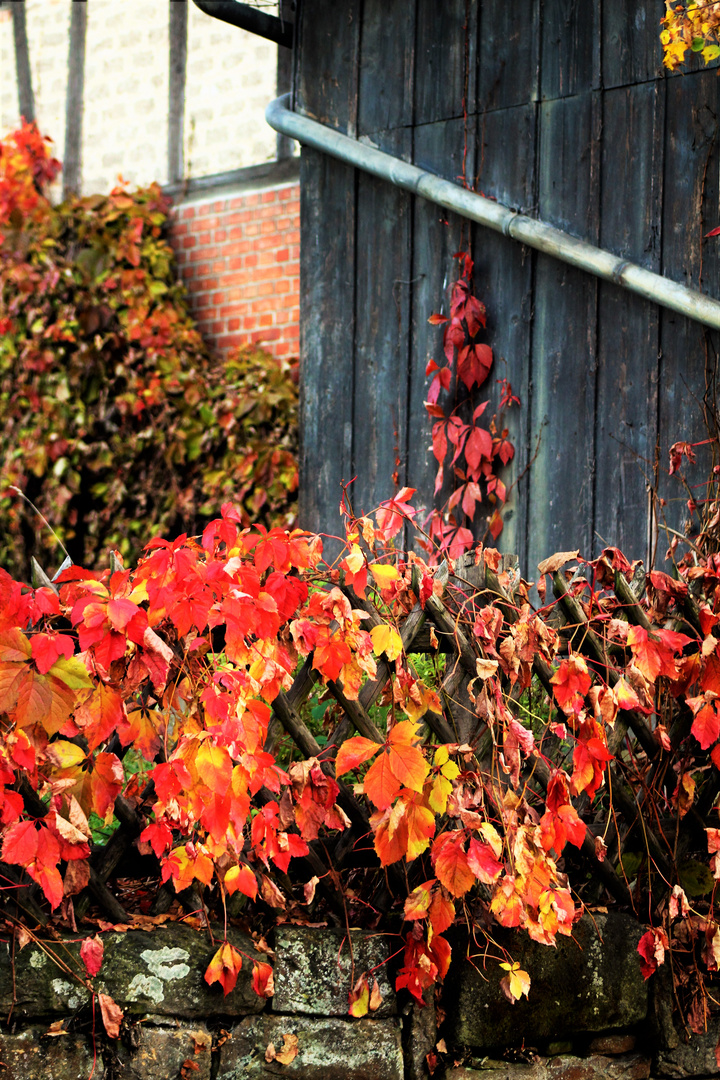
(72, 164)
(26, 98)
(284, 77)
(176, 102)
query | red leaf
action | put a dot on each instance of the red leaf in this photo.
(477, 447)
(706, 726)
(91, 954)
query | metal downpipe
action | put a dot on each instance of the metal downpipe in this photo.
(249, 18)
(535, 234)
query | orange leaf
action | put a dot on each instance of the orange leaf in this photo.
(262, 980)
(381, 784)
(442, 912)
(106, 782)
(241, 879)
(224, 967)
(112, 1015)
(354, 752)
(214, 766)
(451, 863)
(418, 902)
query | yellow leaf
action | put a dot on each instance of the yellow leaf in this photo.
(384, 574)
(516, 982)
(65, 754)
(355, 560)
(386, 640)
(71, 671)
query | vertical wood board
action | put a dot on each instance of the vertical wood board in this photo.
(178, 30)
(564, 353)
(504, 281)
(571, 36)
(508, 53)
(691, 208)
(631, 49)
(628, 326)
(387, 64)
(74, 105)
(445, 54)
(327, 260)
(382, 313)
(437, 236)
(329, 52)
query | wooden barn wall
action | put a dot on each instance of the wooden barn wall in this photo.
(559, 108)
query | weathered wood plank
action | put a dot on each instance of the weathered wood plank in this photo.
(387, 67)
(631, 49)
(72, 166)
(628, 327)
(690, 209)
(329, 50)
(504, 278)
(570, 47)
(508, 53)
(382, 314)
(564, 355)
(327, 259)
(26, 97)
(445, 64)
(176, 90)
(436, 236)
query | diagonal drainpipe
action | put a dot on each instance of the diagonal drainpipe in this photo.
(535, 234)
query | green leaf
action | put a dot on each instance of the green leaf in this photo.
(695, 878)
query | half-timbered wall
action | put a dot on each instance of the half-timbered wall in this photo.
(559, 108)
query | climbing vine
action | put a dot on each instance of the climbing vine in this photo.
(477, 451)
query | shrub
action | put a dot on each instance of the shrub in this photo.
(117, 420)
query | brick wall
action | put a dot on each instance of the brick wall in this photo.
(239, 256)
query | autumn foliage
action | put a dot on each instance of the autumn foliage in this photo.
(469, 452)
(117, 422)
(690, 26)
(190, 660)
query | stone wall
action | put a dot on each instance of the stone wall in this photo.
(590, 1013)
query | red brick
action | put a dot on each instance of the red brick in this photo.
(233, 324)
(189, 242)
(187, 213)
(282, 287)
(268, 196)
(204, 237)
(283, 255)
(220, 236)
